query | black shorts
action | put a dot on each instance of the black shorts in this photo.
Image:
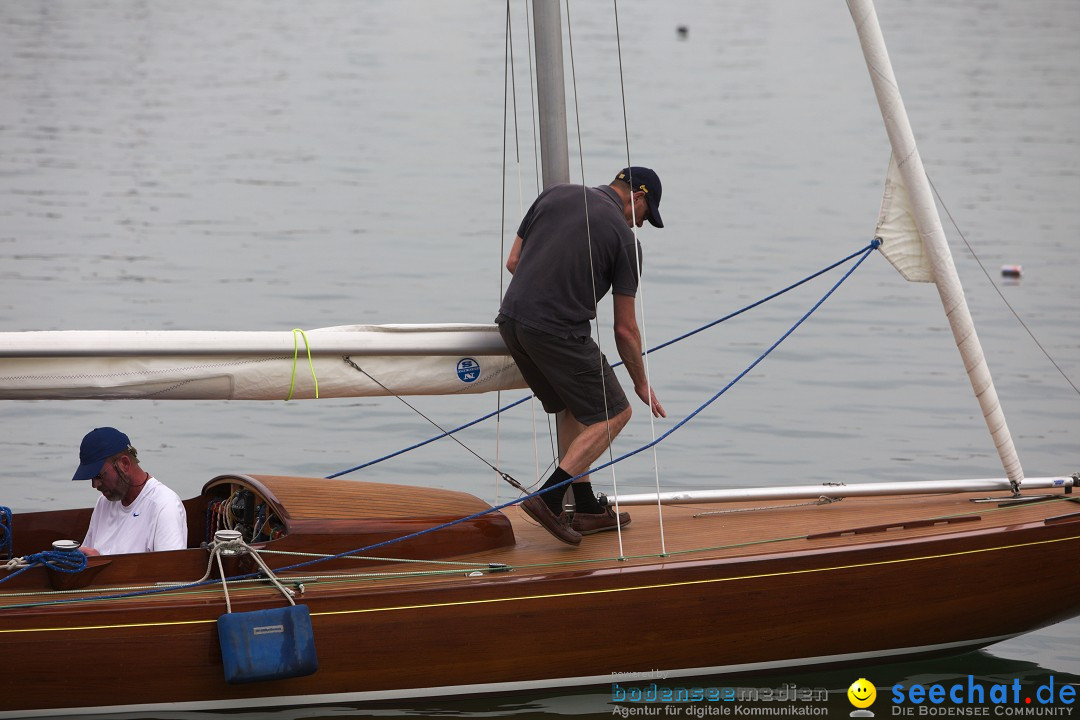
(565, 373)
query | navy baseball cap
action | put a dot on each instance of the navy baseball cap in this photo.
(642, 178)
(99, 445)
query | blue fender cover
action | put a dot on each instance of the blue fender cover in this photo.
(267, 644)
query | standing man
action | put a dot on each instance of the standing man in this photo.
(135, 513)
(573, 245)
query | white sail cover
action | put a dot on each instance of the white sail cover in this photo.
(901, 243)
(347, 361)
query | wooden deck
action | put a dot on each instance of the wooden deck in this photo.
(709, 531)
(691, 533)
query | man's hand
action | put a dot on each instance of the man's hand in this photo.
(628, 342)
(649, 398)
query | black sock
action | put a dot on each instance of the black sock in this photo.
(554, 499)
(584, 498)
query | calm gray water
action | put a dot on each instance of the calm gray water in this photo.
(271, 165)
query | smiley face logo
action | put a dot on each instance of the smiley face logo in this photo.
(862, 693)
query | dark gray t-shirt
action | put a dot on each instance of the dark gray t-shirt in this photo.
(551, 289)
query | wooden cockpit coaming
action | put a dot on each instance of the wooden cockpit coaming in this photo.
(332, 516)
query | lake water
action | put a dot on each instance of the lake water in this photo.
(273, 165)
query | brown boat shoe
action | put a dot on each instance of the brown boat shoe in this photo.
(538, 510)
(591, 523)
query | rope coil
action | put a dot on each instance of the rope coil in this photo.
(60, 560)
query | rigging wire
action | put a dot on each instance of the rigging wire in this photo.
(509, 95)
(508, 66)
(997, 289)
(641, 293)
(534, 120)
(510, 80)
(505, 476)
(589, 247)
(509, 70)
(533, 115)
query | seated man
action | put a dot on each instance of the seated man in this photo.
(135, 513)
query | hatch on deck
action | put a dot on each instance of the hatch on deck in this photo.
(333, 516)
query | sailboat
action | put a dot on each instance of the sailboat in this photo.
(384, 573)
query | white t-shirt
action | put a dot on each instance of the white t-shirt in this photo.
(155, 521)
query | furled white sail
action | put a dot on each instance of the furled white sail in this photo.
(901, 243)
(346, 361)
(932, 236)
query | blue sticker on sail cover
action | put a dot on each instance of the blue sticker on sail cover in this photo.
(468, 370)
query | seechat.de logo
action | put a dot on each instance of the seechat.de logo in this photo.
(977, 697)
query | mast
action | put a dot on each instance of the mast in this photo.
(551, 99)
(551, 92)
(928, 222)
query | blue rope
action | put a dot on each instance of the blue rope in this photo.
(865, 253)
(7, 537)
(873, 244)
(65, 562)
(422, 443)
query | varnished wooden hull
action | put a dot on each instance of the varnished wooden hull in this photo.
(753, 591)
